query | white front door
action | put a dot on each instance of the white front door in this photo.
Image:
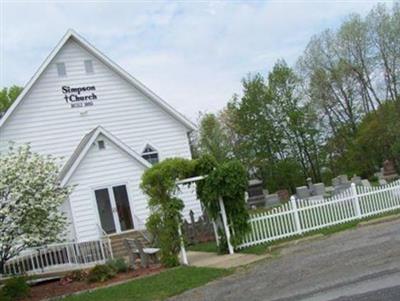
(114, 210)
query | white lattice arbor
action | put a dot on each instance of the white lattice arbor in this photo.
(223, 217)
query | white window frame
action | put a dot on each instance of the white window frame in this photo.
(58, 70)
(155, 151)
(92, 66)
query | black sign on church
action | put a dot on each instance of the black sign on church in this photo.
(79, 97)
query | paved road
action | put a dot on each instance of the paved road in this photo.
(357, 265)
(387, 294)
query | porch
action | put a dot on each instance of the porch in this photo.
(58, 259)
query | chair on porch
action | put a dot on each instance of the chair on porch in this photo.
(136, 250)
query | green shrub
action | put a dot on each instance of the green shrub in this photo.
(79, 275)
(374, 179)
(101, 273)
(14, 289)
(119, 265)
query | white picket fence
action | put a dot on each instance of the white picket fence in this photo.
(300, 216)
(59, 257)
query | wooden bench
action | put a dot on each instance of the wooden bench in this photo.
(136, 250)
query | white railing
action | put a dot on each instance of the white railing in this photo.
(300, 216)
(59, 257)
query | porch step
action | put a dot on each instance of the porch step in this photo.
(118, 245)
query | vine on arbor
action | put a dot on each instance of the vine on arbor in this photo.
(227, 180)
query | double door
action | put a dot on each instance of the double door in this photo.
(114, 209)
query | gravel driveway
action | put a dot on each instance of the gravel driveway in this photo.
(345, 264)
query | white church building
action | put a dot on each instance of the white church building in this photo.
(106, 127)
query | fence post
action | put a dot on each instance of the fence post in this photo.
(226, 226)
(182, 245)
(356, 201)
(110, 248)
(215, 232)
(103, 254)
(296, 215)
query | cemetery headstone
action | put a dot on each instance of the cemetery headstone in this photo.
(272, 199)
(340, 184)
(309, 183)
(389, 170)
(365, 183)
(283, 195)
(382, 182)
(343, 179)
(335, 181)
(255, 191)
(356, 180)
(318, 189)
(302, 192)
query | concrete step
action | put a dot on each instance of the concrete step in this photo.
(118, 244)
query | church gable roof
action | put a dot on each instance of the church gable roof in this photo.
(84, 146)
(71, 34)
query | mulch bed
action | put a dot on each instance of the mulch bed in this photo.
(56, 288)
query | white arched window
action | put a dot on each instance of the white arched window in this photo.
(150, 154)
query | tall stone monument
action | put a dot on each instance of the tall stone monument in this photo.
(389, 170)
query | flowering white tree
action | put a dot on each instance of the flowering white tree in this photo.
(30, 200)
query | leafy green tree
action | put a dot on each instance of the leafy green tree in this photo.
(259, 137)
(297, 119)
(377, 140)
(327, 114)
(212, 138)
(274, 128)
(348, 73)
(8, 96)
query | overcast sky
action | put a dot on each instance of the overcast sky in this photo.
(193, 53)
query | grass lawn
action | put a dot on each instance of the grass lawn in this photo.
(158, 287)
(210, 246)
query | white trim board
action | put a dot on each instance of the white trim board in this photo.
(71, 34)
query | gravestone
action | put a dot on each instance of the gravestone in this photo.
(365, 183)
(340, 183)
(316, 199)
(302, 192)
(335, 181)
(318, 189)
(256, 196)
(309, 183)
(283, 195)
(356, 180)
(389, 170)
(272, 199)
(382, 182)
(343, 179)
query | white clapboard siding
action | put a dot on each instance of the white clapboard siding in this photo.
(301, 216)
(46, 121)
(95, 172)
(51, 126)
